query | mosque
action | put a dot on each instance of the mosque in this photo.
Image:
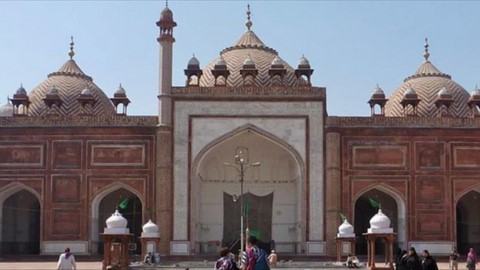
(246, 126)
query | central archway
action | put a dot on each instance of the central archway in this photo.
(468, 221)
(280, 175)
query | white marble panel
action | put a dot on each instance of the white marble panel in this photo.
(315, 248)
(180, 248)
(57, 247)
(185, 109)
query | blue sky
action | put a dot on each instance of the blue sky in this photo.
(352, 45)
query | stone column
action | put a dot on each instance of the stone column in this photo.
(163, 187)
(333, 189)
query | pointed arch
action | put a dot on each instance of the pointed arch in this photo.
(467, 205)
(95, 204)
(401, 209)
(7, 191)
(239, 131)
(288, 156)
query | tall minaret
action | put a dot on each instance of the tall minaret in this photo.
(166, 41)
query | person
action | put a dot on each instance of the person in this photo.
(352, 261)
(412, 260)
(148, 258)
(254, 258)
(226, 261)
(454, 259)
(66, 261)
(272, 258)
(428, 262)
(471, 259)
(401, 261)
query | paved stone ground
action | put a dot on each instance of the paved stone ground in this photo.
(40, 265)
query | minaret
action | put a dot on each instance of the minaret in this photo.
(166, 40)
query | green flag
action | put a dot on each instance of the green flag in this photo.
(255, 233)
(123, 204)
(374, 203)
(342, 217)
(246, 208)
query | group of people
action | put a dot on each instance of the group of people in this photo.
(409, 260)
(254, 258)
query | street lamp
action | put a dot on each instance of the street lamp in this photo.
(241, 158)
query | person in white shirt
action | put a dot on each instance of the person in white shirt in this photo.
(66, 261)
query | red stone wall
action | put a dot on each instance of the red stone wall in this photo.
(430, 169)
(69, 166)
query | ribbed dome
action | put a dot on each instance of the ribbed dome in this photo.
(116, 220)
(70, 82)
(248, 46)
(427, 81)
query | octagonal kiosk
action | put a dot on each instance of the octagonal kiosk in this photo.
(150, 239)
(116, 238)
(380, 228)
(345, 240)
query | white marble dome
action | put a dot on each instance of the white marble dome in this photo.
(116, 220)
(345, 229)
(6, 110)
(380, 223)
(116, 224)
(150, 229)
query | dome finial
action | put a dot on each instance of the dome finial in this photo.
(426, 54)
(166, 3)
(248, 23)
(71, 53)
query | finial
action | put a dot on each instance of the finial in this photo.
(248, 23)
(426, 54)
(166, 3)
(71, 53)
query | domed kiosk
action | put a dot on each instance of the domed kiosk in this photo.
(380, 228)
(150, 238)
(345, 240)
(116, 240)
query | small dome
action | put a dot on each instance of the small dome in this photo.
(193, 61)
(150, 227)
(53, 90)
(220, 62)
(86, 91)
(444, 92)
(116, 221)
(409, 92)
(166, 14)
(303, 62)
(6, 110)
(248, 62)
(120, 90)
(475, 92)
(345, 228)
(377, 91)
(21, 91)
(277, 62)
(380, 221)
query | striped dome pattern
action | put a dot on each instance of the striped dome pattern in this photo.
(70, 81)
(427, 81)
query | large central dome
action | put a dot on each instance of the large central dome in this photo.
(249, 50)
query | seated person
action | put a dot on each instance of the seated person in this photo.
(352, 261)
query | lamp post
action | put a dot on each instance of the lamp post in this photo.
(241, 158)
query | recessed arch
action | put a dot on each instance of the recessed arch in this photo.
(401, 211)
(26, 219)
(260, 181)
(95, 229)
(467, 207)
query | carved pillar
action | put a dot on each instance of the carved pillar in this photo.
(333, 189)
(163, 187)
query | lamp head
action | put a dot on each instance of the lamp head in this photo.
(235, 197)
(256, 164)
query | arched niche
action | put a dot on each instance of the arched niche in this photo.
(20, 220)
(468, 221)
(281, 173)
(392, 205)
(104, 205)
